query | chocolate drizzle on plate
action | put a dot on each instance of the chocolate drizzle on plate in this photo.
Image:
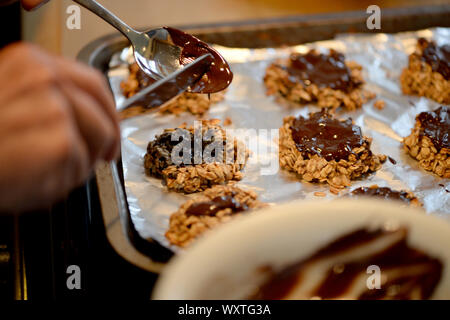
(383, 193)
(436, 126)
(210, 208)
(438, 57)
(323, 70)
(411, 274)
(219, 75)
(325, 136)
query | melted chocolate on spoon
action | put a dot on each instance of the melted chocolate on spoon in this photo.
(438, 57)
(327, 137)
(436, 126)
(322, 70)
(219, 75)
(210, 208)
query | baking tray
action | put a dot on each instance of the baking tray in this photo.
(149, 254)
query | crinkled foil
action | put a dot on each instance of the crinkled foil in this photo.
(382, 56)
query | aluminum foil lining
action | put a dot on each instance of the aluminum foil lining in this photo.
(383, 56)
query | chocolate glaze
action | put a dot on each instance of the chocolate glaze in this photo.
(325, 136)
(210, 208)
(436, 126)
(340, 278)
(438, 57)
(384, 193)
(161, 148)
(322, 70)
(219, 75)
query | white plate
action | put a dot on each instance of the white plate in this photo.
(224, 264)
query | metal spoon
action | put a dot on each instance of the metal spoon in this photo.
(153, 50)
(163, 90)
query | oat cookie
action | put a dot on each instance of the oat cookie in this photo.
(428, 72)
(215, 206)
(195, 172)
(386, 193)
(379, 104)
(194, 103)
(324, 79)
(428, 142)
(323, 149)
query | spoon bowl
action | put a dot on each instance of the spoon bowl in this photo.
(155, 54)
(162, 51)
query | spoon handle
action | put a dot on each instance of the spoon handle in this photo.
(109, 17)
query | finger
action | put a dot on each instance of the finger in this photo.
(92, 82)
(34, 171)
(47, 164)
(52, 69)
(66, 146)
(34, 108)
(77, 164)
(33, 4)
(94, 125)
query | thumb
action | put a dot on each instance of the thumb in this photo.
(33, 4)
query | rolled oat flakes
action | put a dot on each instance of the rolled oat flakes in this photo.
(213, 207)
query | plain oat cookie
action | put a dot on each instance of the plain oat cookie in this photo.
(215, 206)
(201, 173)
(428, 142)
(323, 149)
(324, 79)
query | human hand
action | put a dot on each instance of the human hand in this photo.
(57, 119)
